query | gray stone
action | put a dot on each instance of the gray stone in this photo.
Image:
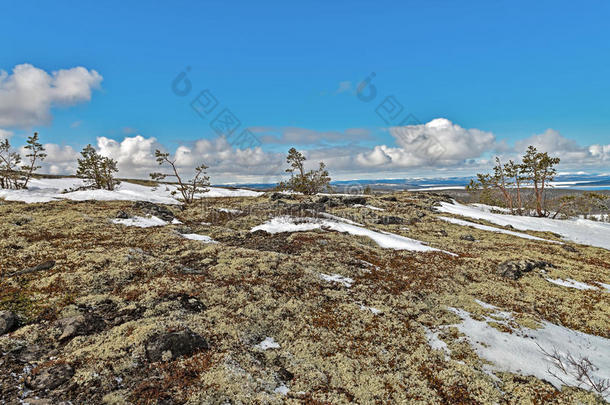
(153, 209)
(390, 220)
(569, 248)
(8, 320)
(514, 269)
(171, 345)
(469, 238)
(51, 377)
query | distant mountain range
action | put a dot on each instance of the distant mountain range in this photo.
(577, 181)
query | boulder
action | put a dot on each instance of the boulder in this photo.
(390, 220)
(468, 237)
(122, 215)
(514, 269)
(79, 325)
(51, 378)
(8, 320)
(569, 248)
(354, 200)
(171, 345)
(153, 209)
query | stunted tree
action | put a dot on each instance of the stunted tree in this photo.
(35, 153)
(515, 172)
(539, 169)
(188, 189)
(97, 170)
(10, 176)
(309, 183)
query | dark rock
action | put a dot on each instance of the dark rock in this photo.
(22, 221)
(51, 377)
(569, 248)
(285, 375)
(153, 209)
(279, 196)
(514, 269)
(187, 302)
(8, 320)
(391, 199)
(41, 267)
(354, 200)
(122, 215)
(79, 325)
(171, 345)
(390, 220)
(324, 199)
(469, 238)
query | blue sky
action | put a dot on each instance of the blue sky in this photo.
(514, 69)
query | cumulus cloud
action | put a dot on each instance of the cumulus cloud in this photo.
(437, 148)
(59, 160)
(436, 143)
(568, 150)
(28, 93)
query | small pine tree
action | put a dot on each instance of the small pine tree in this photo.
(36, 153)
(308, 183)
(97, 170)
(539, 169)
(188, 189)
(10, 177)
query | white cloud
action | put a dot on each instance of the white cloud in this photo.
(569, 151)
(59, 160)
(438, 148)
(437, 143)
(4, 134)
(28, 93)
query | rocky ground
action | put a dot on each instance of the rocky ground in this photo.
(95, 311)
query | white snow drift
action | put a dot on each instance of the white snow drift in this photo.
(576, 230)
(384, 239)
(523, 350)
(45, 190)
(492, 229)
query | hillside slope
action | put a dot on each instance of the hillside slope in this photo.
(291, 299)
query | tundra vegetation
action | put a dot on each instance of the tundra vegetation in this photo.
(112, 314)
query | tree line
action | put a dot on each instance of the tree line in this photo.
(99, 172)
(504, 186)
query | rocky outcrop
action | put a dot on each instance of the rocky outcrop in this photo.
(171, 345)
(514, 269)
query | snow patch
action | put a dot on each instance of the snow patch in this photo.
(268, 343)
(46, 190)
(195, 236)
(492, 229)
(140, 222)
(522, 350)
(577, 230)
(337, 278)
(384, 239)
(571, 284)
